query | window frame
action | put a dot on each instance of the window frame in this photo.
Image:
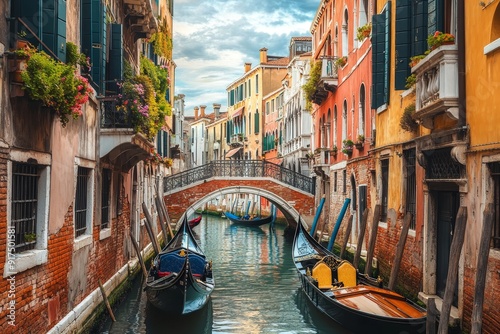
(19, 262)
(86, 238)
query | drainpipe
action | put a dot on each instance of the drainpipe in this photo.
(462, 121)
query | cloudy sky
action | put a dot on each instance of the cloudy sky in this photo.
(213, 39)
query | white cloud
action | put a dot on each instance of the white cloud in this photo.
(214, 39)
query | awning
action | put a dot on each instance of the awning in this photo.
(238, 112)
(232, 152)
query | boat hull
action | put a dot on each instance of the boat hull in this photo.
(359, 307)
(248, 222)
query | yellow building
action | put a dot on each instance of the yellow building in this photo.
(244, 130)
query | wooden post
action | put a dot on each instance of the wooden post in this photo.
(430, 325)
(161, 216)
(138, 251)
(149, 228)
(166, 216)
(346, 236)
(482, 267)
(399, 250)
(373, 239)
(106, 301)
(451, 279)
(361, 237)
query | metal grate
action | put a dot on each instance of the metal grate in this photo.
(441, 165)
(411, 184)
(81, 201)
(384, 165)
(24, 204)
(105, 197)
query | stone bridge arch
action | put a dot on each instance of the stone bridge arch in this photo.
(293, 203)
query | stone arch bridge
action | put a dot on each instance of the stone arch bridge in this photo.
(292, 193)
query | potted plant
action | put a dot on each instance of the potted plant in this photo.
(340, 62)
(411, 81)
(55, 84)
(347, 146)
(364, 31)
(439, 38)
(360, 142)
(416, 59)
(29, 237)
(407, 123)
(334, 150)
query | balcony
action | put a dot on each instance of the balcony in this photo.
(120, 144)
(237, 140)
(328, 81)
(141, 16)
(321, 164)
(437, 85)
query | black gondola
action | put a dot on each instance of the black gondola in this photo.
(248, 220)
(180, 279)
(337, 289)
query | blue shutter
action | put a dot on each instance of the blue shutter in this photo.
(60, 37)
(115, 65)
(29, 12)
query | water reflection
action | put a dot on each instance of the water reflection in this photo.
(257, 289)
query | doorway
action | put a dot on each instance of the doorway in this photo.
(447, 203)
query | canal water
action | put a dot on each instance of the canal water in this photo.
(256, 289)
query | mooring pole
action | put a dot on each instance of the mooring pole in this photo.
(337, 224)
(316, 217)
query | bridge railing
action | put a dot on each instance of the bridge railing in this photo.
(239, 168)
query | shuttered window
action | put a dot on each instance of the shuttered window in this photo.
(257, 122)
(93, 39)
(45, 21)
(381, 57)
(411, 37)
(115, 64)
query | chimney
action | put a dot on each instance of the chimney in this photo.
(196, 113)
(216, 110)
(202, 111)
(248, 66)
(263, 55)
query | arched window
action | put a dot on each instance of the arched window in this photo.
(344, 120)
(335, 125)
(345, 34)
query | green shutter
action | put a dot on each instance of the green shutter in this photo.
(257, 123)
(432, 16)
(403, 43)
(381, 57)
(60, 36)
(115, 65)
(29, 12)
(419, 25)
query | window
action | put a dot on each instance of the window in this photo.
(381, 28)
(105, 197)
(384, 165)
(257, 84)
(411, 36)
(495, 174)
(344, 181)
(24, 208)
(335, 182)
(411, 184)
(28, 184)
(83, 212)
(257, 124)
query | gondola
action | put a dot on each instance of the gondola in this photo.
(180, 279)
(194, 222)
(248, 220)
(351, 299)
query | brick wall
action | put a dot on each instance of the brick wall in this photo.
(42, 293)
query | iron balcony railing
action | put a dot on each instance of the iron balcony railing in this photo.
(239, 169)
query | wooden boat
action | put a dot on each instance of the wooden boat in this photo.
(248, 220)
(180, 279)
(336, 288)
(195, 221)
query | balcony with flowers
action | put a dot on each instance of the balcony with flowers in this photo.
(323, 78)
(131, 120)
(436, 80)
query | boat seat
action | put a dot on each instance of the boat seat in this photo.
(346, 273)
(323, 274)
(197, 264)
(170, 262)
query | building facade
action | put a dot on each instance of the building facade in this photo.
(75, 176)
